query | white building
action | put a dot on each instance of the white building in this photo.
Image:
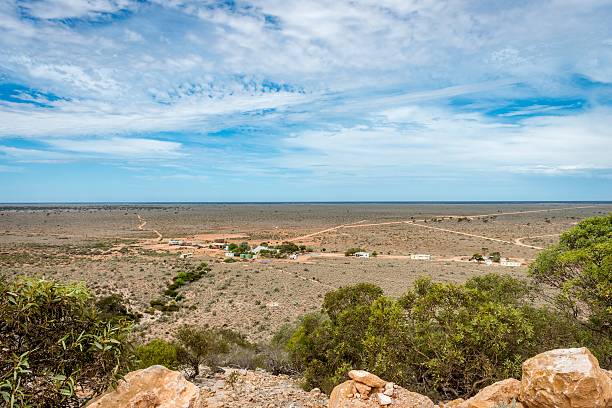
(293, 256)
(229, 254)
(186, 255)
(260, 248)
(362, 254)
(420, 257)
(175, 242)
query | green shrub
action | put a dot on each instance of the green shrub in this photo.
(54, 341)
(441, 339)
(113, 307)
(579, 269)
(199, 346)
(353, 251)
(157, 352)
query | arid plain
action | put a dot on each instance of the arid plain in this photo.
(124, 249)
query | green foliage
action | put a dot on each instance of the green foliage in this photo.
(477, 257)
(353, 251)
(495, 257)
(441, 339)
(579, 268)
(113, 307)
(53, 341)
(157, 352)
(182, 278)
(199, 346)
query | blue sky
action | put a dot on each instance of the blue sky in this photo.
(319, 100)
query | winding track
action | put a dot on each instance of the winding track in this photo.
(142, 225)
(516, 241)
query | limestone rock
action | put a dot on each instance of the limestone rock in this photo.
(384, 399)
(342, 395)
(565, 378)
(366, 378)
(452, 404)
(408, 399)
(502, 392)
(363, 390)
(352, 394)
(153, 387)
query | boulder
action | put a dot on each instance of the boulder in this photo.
(451, 404)
(365, 390)
(408, 399)
(366, 378)
(342, 394)
(501, 392)
(565, 378)
(153, 387)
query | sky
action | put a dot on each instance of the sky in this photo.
(312, 100)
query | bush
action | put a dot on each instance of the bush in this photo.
(199, 346)
(579, 269)
(113, 307)
(157, 352)
(440, 339)
(353, 251)
(54, 342)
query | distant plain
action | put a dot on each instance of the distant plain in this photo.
(117, 249)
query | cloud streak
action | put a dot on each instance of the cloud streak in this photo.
(329, 90)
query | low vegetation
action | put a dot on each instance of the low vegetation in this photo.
(59, 346)
(353, 251)
(56, 347)
(448, 340)
(168, 302)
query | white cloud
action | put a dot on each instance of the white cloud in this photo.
(60, 9)
(120, 147)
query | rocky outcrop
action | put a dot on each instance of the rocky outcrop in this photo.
(153, 387)
(565, 378)
(366, 390)
(502, 392)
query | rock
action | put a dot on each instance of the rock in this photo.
(565, 378)
(384, 399)
(363, 390)
(366, 378)
(341, 395)
(408, 399)
(153, 387)
(502, 392)
(452, 404)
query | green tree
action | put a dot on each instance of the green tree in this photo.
(199, 346)
(55, 348)
(579, 268)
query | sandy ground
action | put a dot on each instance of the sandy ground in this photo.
(116, 249)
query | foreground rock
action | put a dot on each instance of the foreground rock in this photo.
(500, 393)
(153, 387)
(565, 378)
(366, 390)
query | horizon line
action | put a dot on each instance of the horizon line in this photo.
(23, 203)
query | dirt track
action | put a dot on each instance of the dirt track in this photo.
(516, 241)
(142, 225)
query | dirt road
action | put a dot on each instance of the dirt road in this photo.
(142, 224)
(517, 241)
(474, 235)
